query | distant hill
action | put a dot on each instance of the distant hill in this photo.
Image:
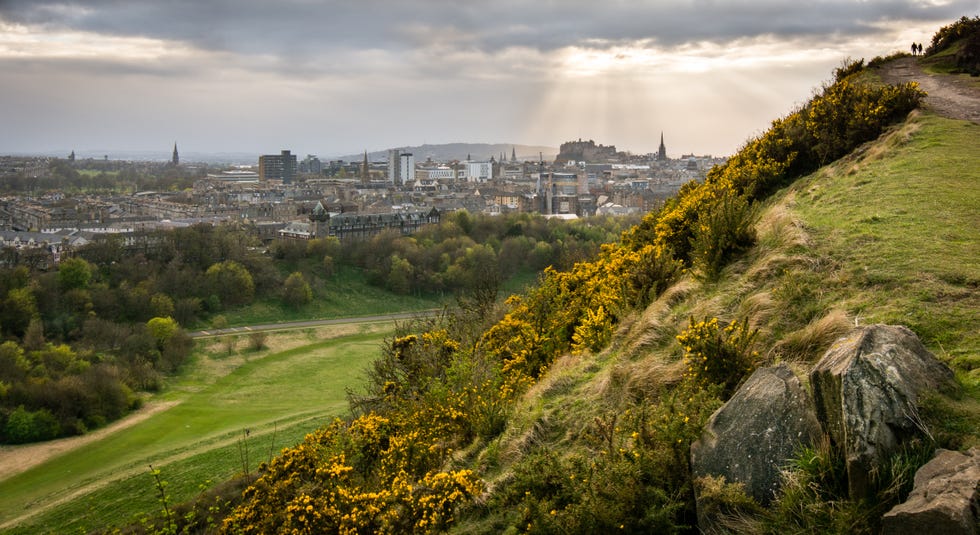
(459, 151)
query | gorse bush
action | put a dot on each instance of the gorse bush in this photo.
(369, 476)
(949, 34)
(722, 234)
(718, 356)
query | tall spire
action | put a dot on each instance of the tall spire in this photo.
(175, 160)
(662, 151)
(513, 154)
(365, 172)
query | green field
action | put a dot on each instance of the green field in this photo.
(278, 394)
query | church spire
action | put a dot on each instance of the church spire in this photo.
(662, 151)
(513, 154)
(365, 170)
(175, 160)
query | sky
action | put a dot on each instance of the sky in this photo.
(332, 77)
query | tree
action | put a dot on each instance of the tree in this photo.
(18, 309)
(231, 282)
(162, 329)
(296, 291)
(257, 339)
(34, 336)
(400, 276)
(162, 305)
(74, 273)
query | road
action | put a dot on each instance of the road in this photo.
(290, 325)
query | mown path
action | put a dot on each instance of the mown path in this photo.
(951, 96)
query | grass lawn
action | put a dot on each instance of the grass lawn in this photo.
(278, 394)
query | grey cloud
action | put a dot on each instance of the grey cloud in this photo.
(303, 29)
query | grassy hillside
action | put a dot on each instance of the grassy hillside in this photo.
(886, 235)
(279, 394)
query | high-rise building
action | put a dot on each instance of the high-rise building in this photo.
(311, 164)
(401, 167)
(394, 165)
(406, 168)
(280, 166)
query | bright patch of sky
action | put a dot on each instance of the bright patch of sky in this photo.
(339, 77)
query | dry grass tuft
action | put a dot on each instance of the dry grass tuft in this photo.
(810, 342)
(758, 308)
(631, 381)
(779, 228)
(653, 328)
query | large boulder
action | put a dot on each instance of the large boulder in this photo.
(866, 389)
(750, 438)
(945, 498)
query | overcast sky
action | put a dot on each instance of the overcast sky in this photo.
(341, 76)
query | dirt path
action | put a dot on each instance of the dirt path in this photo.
(948, 95)
(17, 459)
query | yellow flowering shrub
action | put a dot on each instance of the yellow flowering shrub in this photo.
(315, 486)
(594, 332)
(716, 355)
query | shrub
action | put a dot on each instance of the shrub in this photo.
(31, 426)
(949, 34)
(594, 332)
(716, 355)
(296, 291)
(724, 231)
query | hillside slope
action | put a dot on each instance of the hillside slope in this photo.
(885, 235)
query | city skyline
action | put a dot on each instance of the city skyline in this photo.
(337, 78)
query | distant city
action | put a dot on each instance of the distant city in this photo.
(283, 196)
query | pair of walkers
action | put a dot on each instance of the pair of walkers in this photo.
(916, 49)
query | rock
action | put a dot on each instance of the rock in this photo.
(753, 435)
(866, 389)
(945, 498)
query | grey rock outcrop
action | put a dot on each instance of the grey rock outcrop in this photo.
(866, 389)
(945, 499)
(752, 436)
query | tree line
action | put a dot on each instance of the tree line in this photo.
(82, 340)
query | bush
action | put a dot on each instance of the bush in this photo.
(724, 232)
(716, 356)
(296, 291)
(949, 34)
(31, 426)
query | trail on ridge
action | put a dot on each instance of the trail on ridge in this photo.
(949, 95)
